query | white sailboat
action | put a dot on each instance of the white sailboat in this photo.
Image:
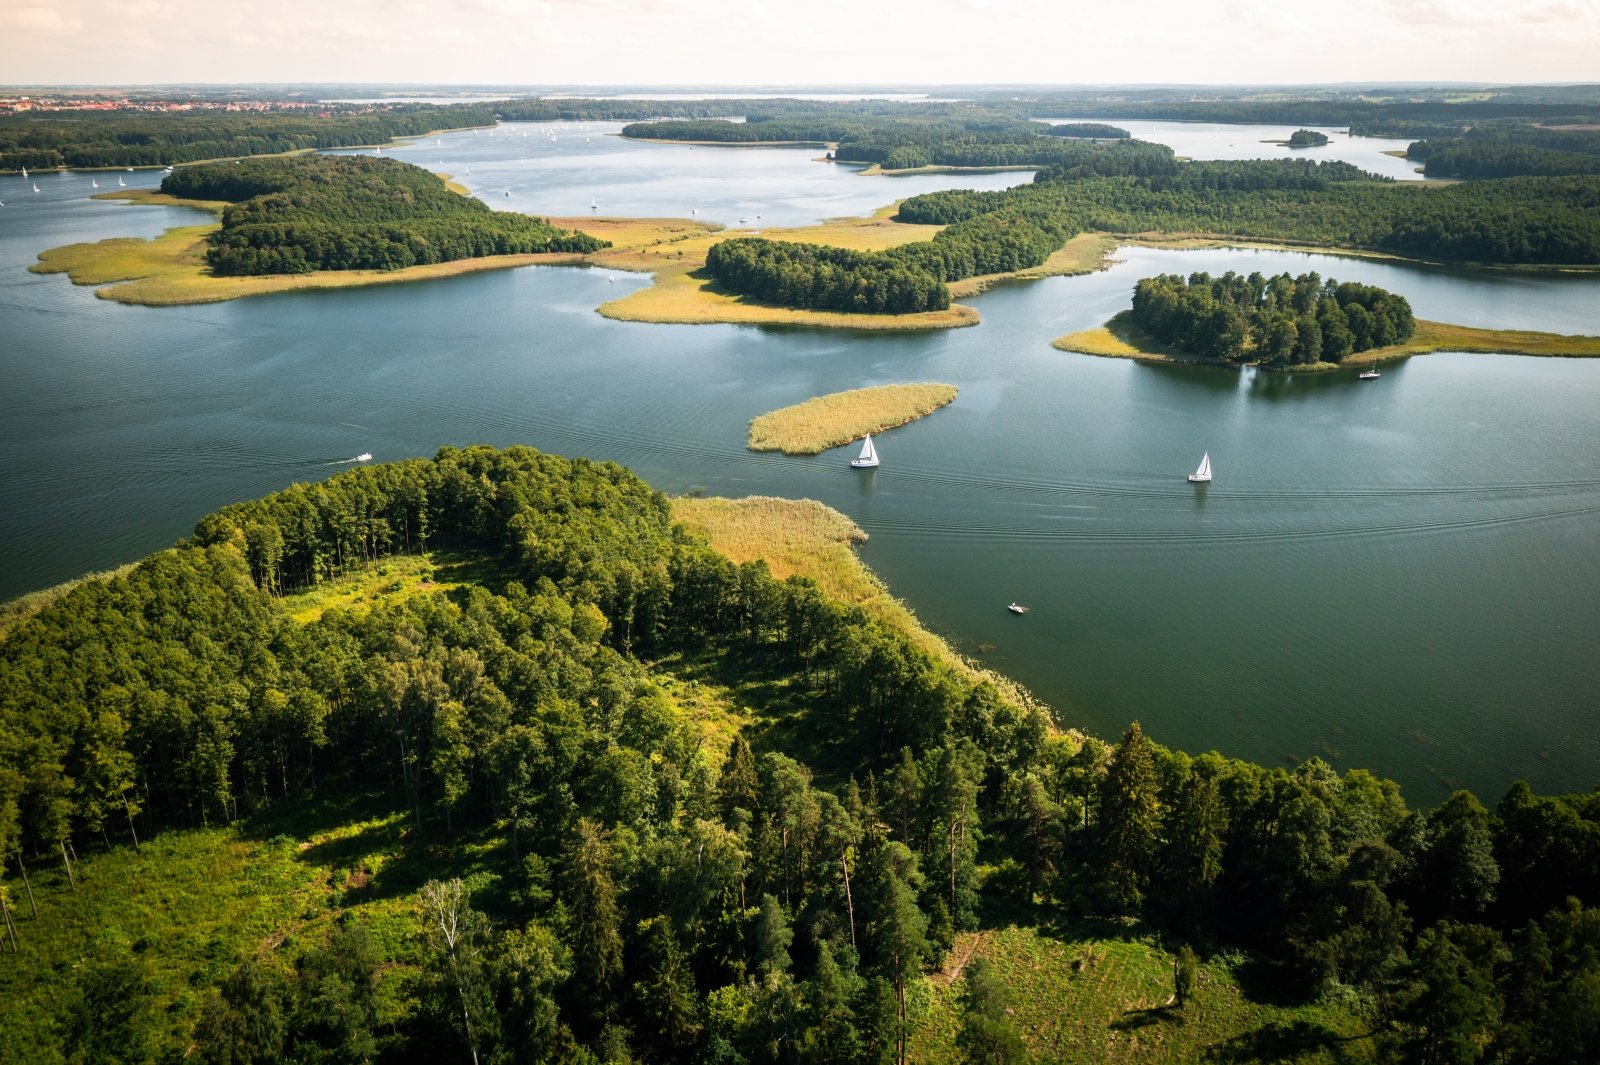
(1203, 474)
(121, 184)
(36, 187)
(93, 183)
(24, 172)
(868, 457)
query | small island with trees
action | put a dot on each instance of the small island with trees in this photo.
(1290, 323)
(1306, 138)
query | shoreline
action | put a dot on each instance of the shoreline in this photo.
(392, 142)
(810, 539)
(1120, 338)
(169, 270)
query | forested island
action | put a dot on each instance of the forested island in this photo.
(1277, 321)
(524, 773)
(1307, 138)
(293, 216)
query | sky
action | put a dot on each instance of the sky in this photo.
(798, 42)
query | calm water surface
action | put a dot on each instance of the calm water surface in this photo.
(1397, 574)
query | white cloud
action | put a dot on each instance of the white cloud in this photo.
(712, 42)
(46, 20)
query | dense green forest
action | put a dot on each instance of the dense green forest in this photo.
(1279, 321)
(291, 216)
(590, 879)
(899, 141)
(1509, 150)
(1134, 187)
(1517, 220)
(39, 140)
(904, 279)
(1095, 130)
(1307, 138)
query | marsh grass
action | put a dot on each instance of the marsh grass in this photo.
(1095, 993)
(802, 537)
(1085, 253)
(840, 417)
(1121, 339)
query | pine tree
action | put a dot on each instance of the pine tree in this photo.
(1130, 818)
(596, 917)
(669, 1004)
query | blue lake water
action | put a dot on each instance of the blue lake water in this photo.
(1398, 574)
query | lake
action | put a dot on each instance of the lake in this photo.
(1397, 574)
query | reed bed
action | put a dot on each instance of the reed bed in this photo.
(840, 417)
(802, 537)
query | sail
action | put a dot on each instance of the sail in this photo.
(868, 452)
(1205, 467)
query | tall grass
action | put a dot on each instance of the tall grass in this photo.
(806, 538)
(840, 417)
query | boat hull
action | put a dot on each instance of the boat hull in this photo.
(863, 464)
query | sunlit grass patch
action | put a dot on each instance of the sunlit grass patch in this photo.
(802, 537)
(397, 577)
(840, 417)
(1095, 995)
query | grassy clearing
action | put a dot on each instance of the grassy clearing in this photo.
(396, 578)
(1121, 339)
(189, 905)
(1097, 995)
(802, 537)
(840, 417)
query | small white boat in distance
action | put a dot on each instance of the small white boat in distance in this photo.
(868, 457)
(365, 456)
(1203, 474)
(121, 184)
(93, 183)
(1368, 374)
(1015, 609)
(35, 188)
(24, 171)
